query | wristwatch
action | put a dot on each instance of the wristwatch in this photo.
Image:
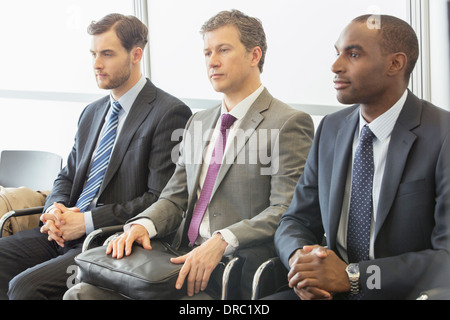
(353, 275)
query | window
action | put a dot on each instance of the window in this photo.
(47, 77)
(46, 46)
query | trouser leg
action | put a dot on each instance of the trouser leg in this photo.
(21, 251)
(46, 281)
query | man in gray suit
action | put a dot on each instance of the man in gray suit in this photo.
(34, 264)
(266, 149)
(405, 248)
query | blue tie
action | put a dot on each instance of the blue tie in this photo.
(358, 234)
(101, 160)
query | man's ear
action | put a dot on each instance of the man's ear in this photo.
(398, 62)
(137, 54)
(256, 55)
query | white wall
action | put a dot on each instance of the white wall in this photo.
(439, 54)
(46, 73)
(38, 125)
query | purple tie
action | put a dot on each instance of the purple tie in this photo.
(210, 179)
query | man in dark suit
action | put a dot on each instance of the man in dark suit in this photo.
(34, 264)
(405, 248)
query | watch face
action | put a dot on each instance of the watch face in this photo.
(353, 268)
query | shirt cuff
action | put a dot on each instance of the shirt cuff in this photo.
(49, 208)
(146, 223)
(231, 239)
(88, 222)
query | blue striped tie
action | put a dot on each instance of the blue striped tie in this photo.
(101, 160)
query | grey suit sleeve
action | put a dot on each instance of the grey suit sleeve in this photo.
(291, 148)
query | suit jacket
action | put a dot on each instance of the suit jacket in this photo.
(412, 230)
(246, 199)
(141, 162)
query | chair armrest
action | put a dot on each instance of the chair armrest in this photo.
(442, 293)
(239, 271)
(230, 279)
(269, 277)
(18, 213)
(98, 237)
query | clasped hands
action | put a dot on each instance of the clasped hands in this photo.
(198, 264)
(63, 224)
(316, 273)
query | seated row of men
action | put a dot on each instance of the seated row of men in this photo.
(374, 177)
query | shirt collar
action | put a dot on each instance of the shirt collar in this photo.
(383, 125)
(127, 100)
(240, 110)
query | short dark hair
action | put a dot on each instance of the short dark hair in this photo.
(250, 30)
(129, 29)
(396, 36)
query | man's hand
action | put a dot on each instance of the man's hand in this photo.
(73, 225)
(309, 293)
(199, 264)
(53, 222)
(124, 243)
(317, 272)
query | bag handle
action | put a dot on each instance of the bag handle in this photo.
(176, 242)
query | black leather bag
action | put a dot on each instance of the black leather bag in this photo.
(143, 275)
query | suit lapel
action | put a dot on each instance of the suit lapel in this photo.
(402, 139)
(138, 113)
(341, 161)
(90, 145)
(249, 123)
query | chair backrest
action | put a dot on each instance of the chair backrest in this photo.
(36, 170)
